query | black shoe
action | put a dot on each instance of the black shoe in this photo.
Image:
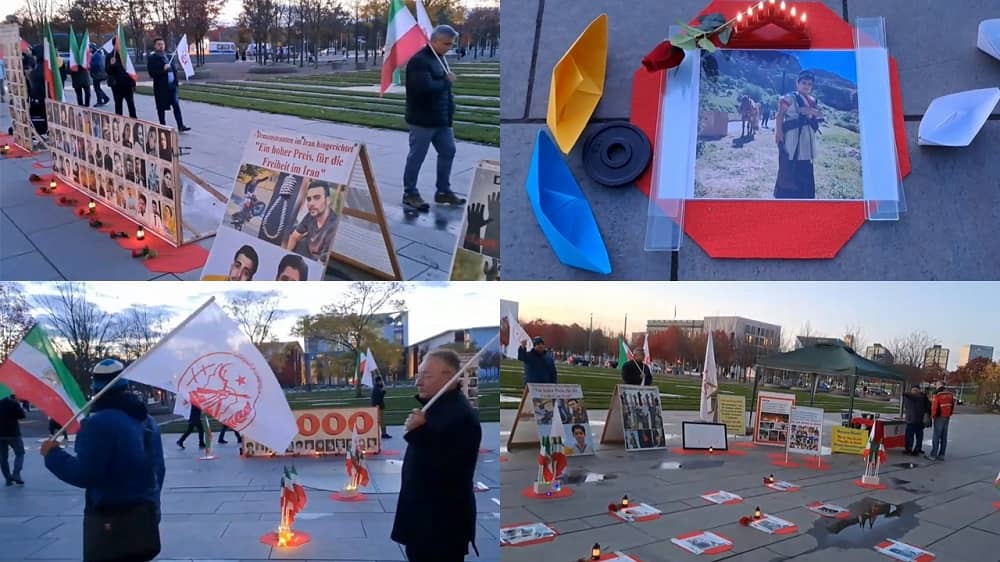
(10, 482)
(448, 198)
(415, 203)
(221, 442)
(18, 481)
(181, 445)
(183, 128)
(386, 436)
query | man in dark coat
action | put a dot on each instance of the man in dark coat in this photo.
(915, 405)
(122, 84)
(119, 454)
(37, 92)
(194, 424)
(378, 401)
(436, 510)
(99, 73)
(81, 85)
(161, 69)
(539, 366)
(10, 437)
(635, 371)
(430, 108)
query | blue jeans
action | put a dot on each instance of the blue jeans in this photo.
(940, 440)
(443, 139)
(18, 445)
(914, 436)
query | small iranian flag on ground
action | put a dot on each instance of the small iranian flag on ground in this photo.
(35, 372)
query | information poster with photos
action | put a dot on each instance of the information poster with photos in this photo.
(477, 257)
(326, 431)
(635, 417)
(805, 430)
(17, 85)
(771, 419)
(298, 202)
(128, 164)
(539, 403)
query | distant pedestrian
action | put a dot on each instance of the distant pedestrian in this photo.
(10, 438)
(430, 110)
(55, 426)
(222, 435)
(3, 78)
(539, 365)
(164, 75)
(765, 114)
(942, 407)
(122, 84)
(119, 462)
(635, 371)
(378, 401)
(194, 424)
(917, 408)
(98, 74)
(81, 85)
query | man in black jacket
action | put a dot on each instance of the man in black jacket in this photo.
(194, 424)
(430, 108)
(436, 511)
(635, 371)
(539, 366)
(10, 437)
(915, 405)
(121, 82)
(164, 75)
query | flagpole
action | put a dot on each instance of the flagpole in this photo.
(108, 386)
(459, 373)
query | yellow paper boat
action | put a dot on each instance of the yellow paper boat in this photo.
(578, 83)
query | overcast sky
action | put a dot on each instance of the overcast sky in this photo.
(955, 314)
(434, 307)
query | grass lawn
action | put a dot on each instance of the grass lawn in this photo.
(685, 392)
(398, 403)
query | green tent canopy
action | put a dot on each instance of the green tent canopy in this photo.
(829, 358)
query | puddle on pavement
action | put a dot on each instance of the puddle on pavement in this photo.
(872, 522)
(906, 465)
(687, 465)
(900, 484)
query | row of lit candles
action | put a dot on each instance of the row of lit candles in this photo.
(140, 232)
(770, 9)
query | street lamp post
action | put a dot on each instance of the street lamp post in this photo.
(356, 23)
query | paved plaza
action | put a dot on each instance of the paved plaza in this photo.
(217, 510)
(944, 507)
(45, 242)
(952, 195)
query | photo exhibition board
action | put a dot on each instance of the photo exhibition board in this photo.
(703, 436)
(535, 415)
(759, 229)
(477, 251)
(325, 431)
(17, 85)
(771, 418)
(805, 430)
(299, 201)
(130, 165)
(635, 418)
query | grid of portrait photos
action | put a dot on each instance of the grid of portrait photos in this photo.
(17, 85)
(129, 165)
(642, 417)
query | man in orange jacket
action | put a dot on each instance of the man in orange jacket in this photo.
(942, 407)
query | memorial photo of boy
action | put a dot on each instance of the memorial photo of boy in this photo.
(166, 149)
(167, 184)
(141, 207)
(116, 131)
(108, 162)
(119, 170)
(106, 128)
(127, 135)
(292, 268)
(313, 235)
(150, 141)
(140, 172)
(129, 168)
(795, 130)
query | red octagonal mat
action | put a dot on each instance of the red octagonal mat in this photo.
(769, 229)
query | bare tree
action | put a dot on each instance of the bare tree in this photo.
(36, 12)
(137, 331)
(256, 311)
(260, 16)
(910, 350)
(15, 319)
(85, 328)
(855, 335)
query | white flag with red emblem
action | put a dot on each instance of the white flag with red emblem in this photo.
(184, 57)
(209, 361)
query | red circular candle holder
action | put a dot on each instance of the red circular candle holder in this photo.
(298, 539)
(563, 492)
(879, 486)
(356, 497)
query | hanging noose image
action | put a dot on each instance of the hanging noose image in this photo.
(285, 192)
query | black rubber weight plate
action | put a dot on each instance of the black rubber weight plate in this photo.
(616, 154)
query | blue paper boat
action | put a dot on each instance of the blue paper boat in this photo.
(562, 210)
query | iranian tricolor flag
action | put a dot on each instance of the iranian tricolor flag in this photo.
(403, 39)
(367, 368)
(123, 53)
(356, 470)
(74, 51)
(53, 80)
(551, 457)
(870, 453)
(34, 372)
(84, 51)
(293, 495)
(624, 353)
(997, 481)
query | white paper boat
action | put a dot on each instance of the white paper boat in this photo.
(955, 119)
(989, 37)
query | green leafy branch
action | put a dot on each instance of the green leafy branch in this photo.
(700, 36)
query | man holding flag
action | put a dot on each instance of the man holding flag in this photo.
(79, 67)
(121, 74)
(164, 84)
(636, 370)
(436, 511)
